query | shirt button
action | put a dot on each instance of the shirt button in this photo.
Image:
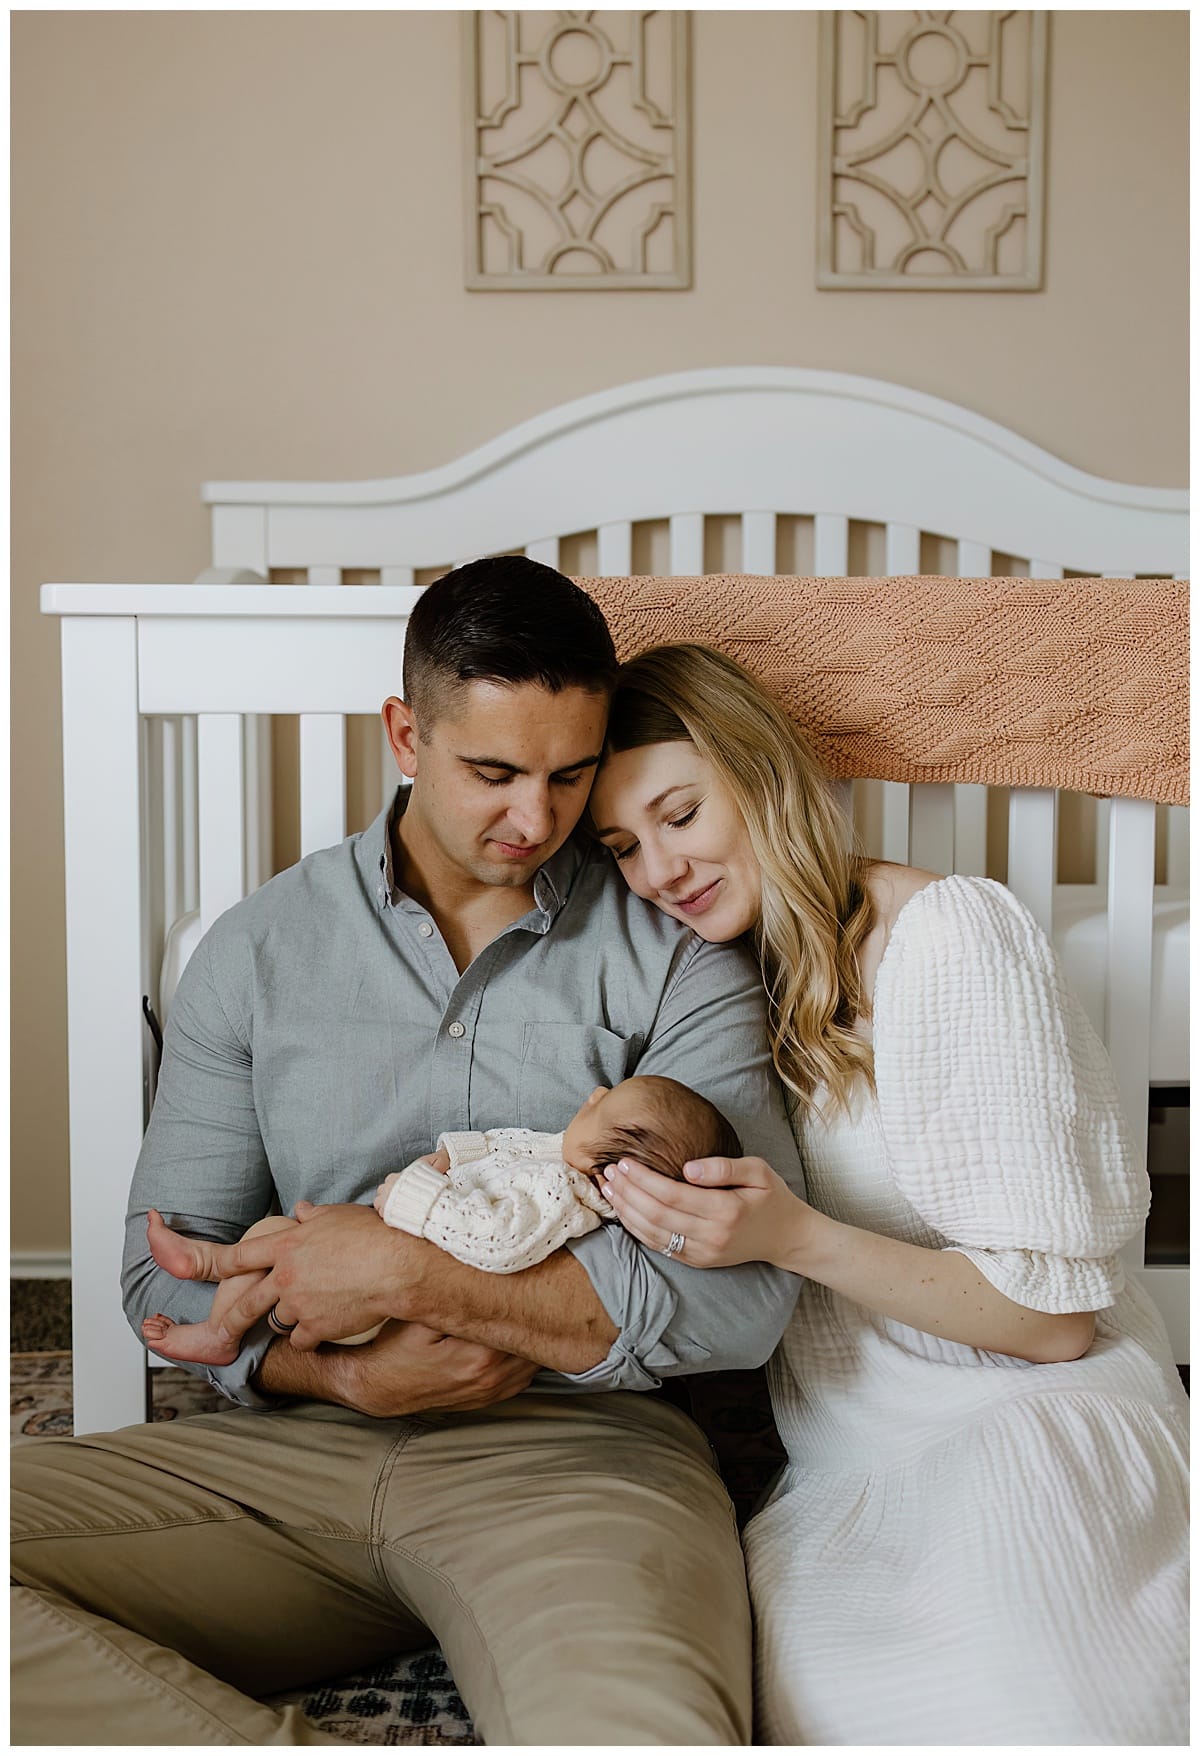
(425, 930)
(458, 1030)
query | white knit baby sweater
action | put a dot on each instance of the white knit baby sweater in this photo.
(508, 1201)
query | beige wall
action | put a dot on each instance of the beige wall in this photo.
(237, 251)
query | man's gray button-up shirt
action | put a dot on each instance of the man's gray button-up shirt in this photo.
(322, 1036)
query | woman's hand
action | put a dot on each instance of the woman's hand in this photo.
(727, 1211)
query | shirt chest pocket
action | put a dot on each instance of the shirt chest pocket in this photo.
(562, 1063)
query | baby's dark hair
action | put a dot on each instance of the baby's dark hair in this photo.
(682, 1126)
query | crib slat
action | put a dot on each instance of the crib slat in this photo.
(902, 550)
(1044, 570)
(974, 561)
(222, 798)
(970, 830)
(1101, 814)
(189, 810)
(687, 543)
(831, 545)
(172, 828)
(155, 918)
(614, 550)
(931, 827)
(388, 775)
(324, 576)
(545, 551)
(1130, 935)
(322, 781)
(1032, 856)
(257, 746)
(758, 542)
(1178, 852)
(895, 821)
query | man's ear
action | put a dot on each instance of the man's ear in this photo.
(402, 734)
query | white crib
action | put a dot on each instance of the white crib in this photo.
(168, 692)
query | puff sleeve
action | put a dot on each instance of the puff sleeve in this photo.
(997, 1100)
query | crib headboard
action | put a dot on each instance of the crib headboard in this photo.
(169, 692)
(757, 443)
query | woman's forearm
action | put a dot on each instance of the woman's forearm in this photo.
(939, 1291)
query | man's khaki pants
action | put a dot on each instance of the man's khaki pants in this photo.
(575, 1556)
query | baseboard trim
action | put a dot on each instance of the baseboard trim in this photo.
(39, 1265)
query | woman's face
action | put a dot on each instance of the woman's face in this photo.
(678, 838)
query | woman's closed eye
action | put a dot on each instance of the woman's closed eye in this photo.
(680, 822)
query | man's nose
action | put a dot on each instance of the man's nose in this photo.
(532, 815)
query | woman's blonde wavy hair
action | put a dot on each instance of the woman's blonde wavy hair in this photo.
(815, 907)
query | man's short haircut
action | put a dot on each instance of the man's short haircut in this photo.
(505, 620)
(684, 1126)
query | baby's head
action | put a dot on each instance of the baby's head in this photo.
(657, 1121)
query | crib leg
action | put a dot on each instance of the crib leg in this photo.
(106, 1046)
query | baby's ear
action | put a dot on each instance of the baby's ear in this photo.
(600, 1092)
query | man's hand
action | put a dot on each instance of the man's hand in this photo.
(405, 1370)
(336, 1273)
(408, 1368)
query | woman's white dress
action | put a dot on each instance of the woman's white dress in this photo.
(966, 1548)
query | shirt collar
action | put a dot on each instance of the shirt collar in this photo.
(551, 884)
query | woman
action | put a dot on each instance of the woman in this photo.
(980, 1536)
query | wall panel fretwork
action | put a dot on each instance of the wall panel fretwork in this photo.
(577, 150)
(932, 150)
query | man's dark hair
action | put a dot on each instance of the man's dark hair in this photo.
(505, 620)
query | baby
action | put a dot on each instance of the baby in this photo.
(499, 1200)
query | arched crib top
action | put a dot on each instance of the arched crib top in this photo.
(758, 442)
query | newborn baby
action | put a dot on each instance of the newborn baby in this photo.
(500, 1200)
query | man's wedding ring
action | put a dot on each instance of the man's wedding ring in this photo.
(283, 1328)
(676, 1245)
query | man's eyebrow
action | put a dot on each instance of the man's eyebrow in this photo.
(651, 804)
(512, 768)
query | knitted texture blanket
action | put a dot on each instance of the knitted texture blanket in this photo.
(1074, 683)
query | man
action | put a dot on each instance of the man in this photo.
(463, 962)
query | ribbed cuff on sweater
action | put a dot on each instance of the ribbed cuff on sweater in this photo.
(411, 1198)
(464, 1147)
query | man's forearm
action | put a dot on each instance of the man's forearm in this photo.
(319, 1375)
(550, 1313)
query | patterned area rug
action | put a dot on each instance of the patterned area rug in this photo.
(412, 1699)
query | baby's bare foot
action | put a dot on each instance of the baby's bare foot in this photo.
(183, 1258)
(187, 1341)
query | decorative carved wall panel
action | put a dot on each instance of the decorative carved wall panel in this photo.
(932, 150)
(577, 150)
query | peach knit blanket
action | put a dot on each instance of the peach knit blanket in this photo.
(1073, 683)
